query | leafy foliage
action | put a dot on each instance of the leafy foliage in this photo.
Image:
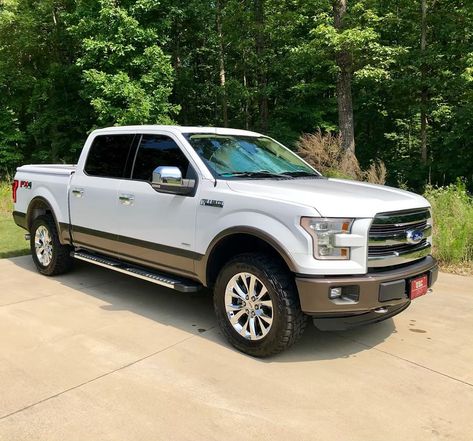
(126, 75)
(69, 66)
(453, 223)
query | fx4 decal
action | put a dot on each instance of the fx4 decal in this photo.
(20, 184)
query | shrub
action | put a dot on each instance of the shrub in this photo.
(325, 153)
(453, 223)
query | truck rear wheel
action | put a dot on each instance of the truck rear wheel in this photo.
(257, 305)
(49, 255)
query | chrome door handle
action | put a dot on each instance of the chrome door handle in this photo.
(126, 199)
(78, 192)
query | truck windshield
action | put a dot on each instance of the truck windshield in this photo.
(231, 156)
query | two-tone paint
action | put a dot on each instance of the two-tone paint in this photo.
(131, 220)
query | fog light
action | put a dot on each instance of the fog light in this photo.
(344, 295)
(335, 293)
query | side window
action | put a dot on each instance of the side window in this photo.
(157, 150)
(108, 156)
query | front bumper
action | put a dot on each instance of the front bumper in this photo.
(376, 296)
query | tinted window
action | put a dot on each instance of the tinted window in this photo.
(108, 155)
(158, 150)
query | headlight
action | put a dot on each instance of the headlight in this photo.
(323, 232)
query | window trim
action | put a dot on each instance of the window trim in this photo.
(133, 152)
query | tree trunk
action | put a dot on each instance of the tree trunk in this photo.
(424, 96)
(262, 73)
(55, 48)
(247, 104)
(345, 65)
(177, 63)
(221, 56)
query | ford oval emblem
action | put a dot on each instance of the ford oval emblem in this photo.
(414, 236)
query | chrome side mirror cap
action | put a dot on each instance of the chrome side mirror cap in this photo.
(170, 176)
(167, 179)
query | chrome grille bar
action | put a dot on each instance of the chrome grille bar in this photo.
(380, 229)
(402, 218)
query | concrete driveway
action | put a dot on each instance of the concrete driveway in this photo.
(95, 355)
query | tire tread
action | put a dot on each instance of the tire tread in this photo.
(283, 284)
(62, 261)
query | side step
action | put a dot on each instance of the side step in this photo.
(173, 282)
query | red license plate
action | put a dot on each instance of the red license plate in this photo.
(419, 286)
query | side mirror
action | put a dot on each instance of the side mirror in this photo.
(169, 180)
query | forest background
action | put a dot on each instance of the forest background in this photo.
(385, 81)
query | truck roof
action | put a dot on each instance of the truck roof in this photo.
(179, 129)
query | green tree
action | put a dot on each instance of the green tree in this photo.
(10, 139)
(127, 78)
(348, 39)
(42, 119)
(68, 66)
(418, 112)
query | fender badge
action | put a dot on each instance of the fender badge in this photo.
(211, 203)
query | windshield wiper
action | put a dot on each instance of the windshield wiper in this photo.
(301, 173)
(255, 174)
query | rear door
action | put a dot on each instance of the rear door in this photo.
(94, 192)
(158, 228)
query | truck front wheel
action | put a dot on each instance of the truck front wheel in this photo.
(257, 305)
(49, 255)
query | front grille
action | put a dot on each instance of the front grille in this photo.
(399, 237)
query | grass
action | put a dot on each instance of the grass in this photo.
(12, 237)
(453, 227)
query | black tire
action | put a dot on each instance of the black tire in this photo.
(61, 260)
(288, 320)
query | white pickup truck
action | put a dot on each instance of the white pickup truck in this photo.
(237, 212)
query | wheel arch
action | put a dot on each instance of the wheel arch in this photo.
(39, 206)
(237, 240)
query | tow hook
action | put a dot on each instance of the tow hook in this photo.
(381, 310)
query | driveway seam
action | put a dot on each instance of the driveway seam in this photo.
(30, 299)
(409, 361)
(29, 406)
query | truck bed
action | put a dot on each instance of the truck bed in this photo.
(45, 182)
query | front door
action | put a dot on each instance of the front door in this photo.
(158, 228)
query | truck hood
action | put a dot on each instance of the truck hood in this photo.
(332, 197)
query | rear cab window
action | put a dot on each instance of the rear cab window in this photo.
(108, 156)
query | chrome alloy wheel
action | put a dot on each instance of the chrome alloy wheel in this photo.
(43, 245)
(249, 306)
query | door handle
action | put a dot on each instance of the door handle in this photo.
(126, 199)
(78, 192)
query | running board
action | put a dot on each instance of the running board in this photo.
(173, 282)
